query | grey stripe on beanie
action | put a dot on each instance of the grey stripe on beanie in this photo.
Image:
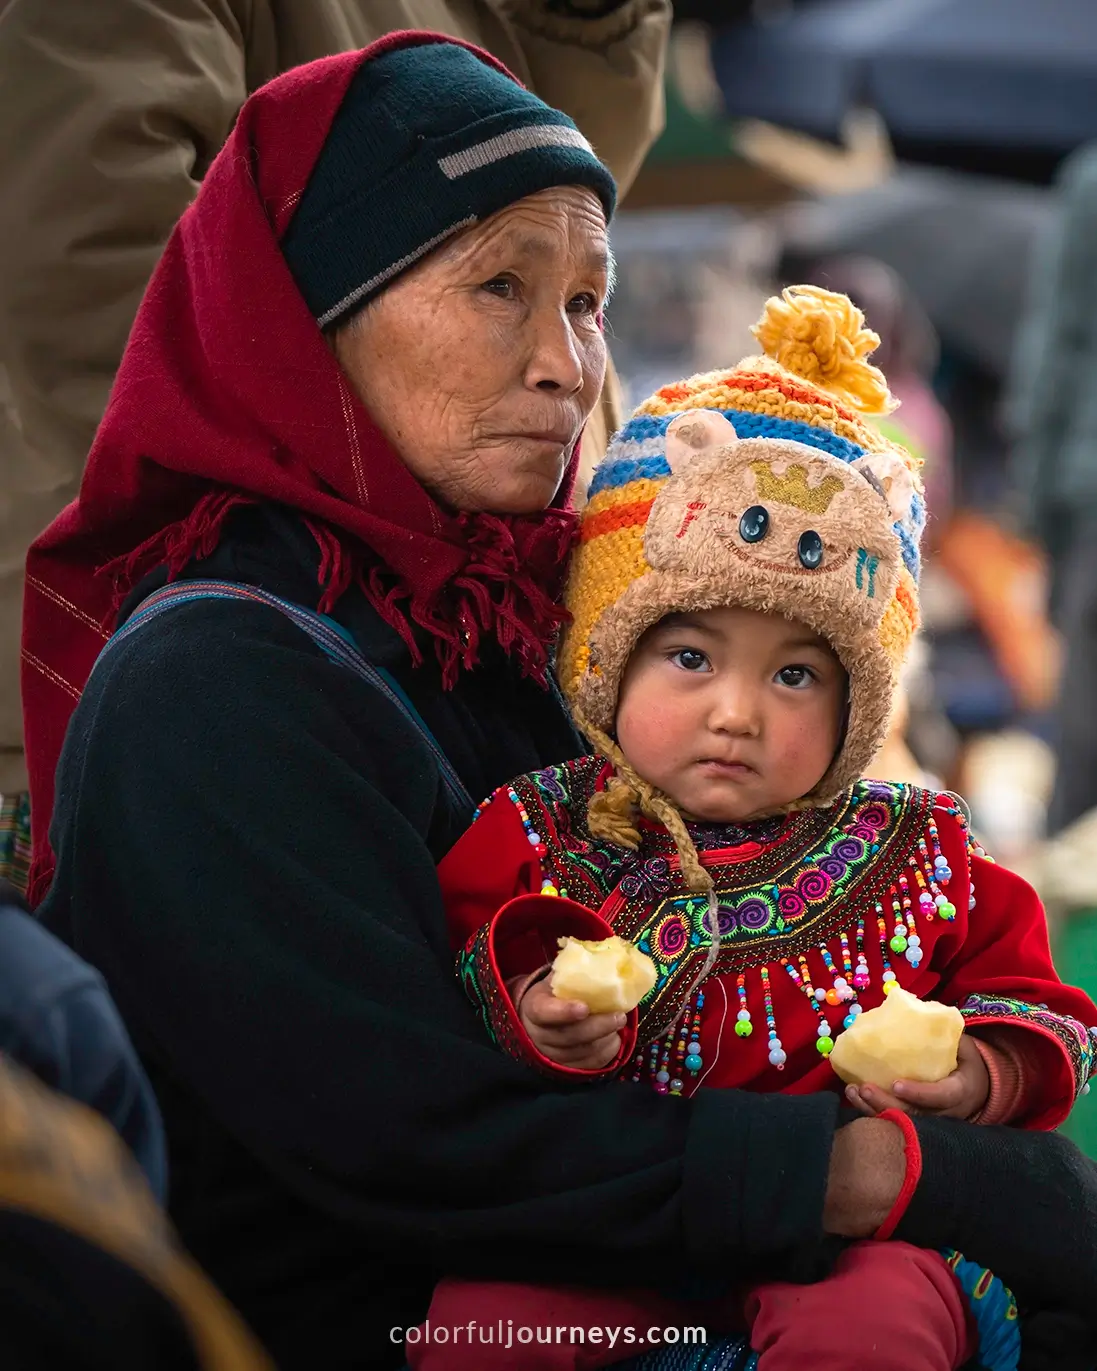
(429, 140)
(507, 144)
(382, 278)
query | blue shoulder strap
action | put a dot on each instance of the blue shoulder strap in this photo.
(332, 638)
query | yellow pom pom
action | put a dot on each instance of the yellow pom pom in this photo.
(820, 336)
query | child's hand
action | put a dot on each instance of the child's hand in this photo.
(567, 1032)
(958, 1096)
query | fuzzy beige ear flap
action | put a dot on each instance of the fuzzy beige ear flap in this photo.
(694, 432)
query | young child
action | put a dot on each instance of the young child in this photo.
(743, 597)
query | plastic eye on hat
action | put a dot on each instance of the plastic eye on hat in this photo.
(754, 524)
(810, 550)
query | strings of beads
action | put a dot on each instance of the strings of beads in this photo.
(974, 848)
(925, 879)
(841, 990)
(678, 1051)
(847, 961)
(661, 1072)
(905, 941)
(777, 1054)
(861, 978)
(889, 980)
(692, 1060)
(743, 1025)
(918, 891)
(638, 1061)
(549, 884)
(942, 874)
(824, 1039)
(926, 904)
(844, 991)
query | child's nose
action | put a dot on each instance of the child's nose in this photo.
(735, 709)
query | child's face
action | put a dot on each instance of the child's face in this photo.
(730, 712)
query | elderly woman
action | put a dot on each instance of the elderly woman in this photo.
(346, 427)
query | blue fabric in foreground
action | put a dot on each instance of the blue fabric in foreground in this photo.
(727, 1354)
(995, 1313)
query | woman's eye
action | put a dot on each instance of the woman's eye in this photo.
(502, 286)
(796, 677)
(689, 659)
(585, 303)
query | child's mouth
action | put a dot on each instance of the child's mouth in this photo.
(720, 766)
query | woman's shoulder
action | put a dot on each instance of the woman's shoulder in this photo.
(204, 651)
(214, 689)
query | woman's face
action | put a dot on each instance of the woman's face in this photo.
(482, 363)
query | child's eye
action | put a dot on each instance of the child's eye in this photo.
(690, 659)
(796, 677)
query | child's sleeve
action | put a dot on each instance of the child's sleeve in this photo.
(504, 931)
(1000, 974)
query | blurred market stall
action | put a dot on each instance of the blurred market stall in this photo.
(949, 77)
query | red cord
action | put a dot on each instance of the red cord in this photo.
(912, 1150)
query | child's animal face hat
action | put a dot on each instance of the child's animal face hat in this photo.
(764, 487)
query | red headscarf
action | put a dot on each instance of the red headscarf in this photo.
(228, 394)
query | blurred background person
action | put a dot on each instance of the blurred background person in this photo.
(112, 113)
(57, 1019)
(91, 1274)
(1055, 460)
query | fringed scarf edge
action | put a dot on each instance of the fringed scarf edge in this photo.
(509, 587)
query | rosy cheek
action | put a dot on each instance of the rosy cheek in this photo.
(808, 743)
(649, 723)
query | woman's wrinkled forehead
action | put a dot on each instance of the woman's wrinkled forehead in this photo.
(539, 231)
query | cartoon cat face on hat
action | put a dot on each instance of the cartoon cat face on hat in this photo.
(769, 522)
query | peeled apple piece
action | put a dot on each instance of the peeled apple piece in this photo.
(611, 976)
(904, 1039)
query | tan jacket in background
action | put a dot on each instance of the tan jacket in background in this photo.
(112, 111)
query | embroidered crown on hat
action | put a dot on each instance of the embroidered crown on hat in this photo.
(793, 488)
(672, 524)
(429, 140)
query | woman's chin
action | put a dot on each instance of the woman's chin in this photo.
(531, 495)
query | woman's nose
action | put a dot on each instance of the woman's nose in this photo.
(555, 362)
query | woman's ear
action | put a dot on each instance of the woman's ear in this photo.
(695, 432)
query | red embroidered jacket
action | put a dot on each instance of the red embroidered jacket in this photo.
(817, 911)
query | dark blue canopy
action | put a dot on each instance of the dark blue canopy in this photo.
(1016, 73)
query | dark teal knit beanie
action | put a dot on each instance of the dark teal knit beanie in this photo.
(428, 140)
